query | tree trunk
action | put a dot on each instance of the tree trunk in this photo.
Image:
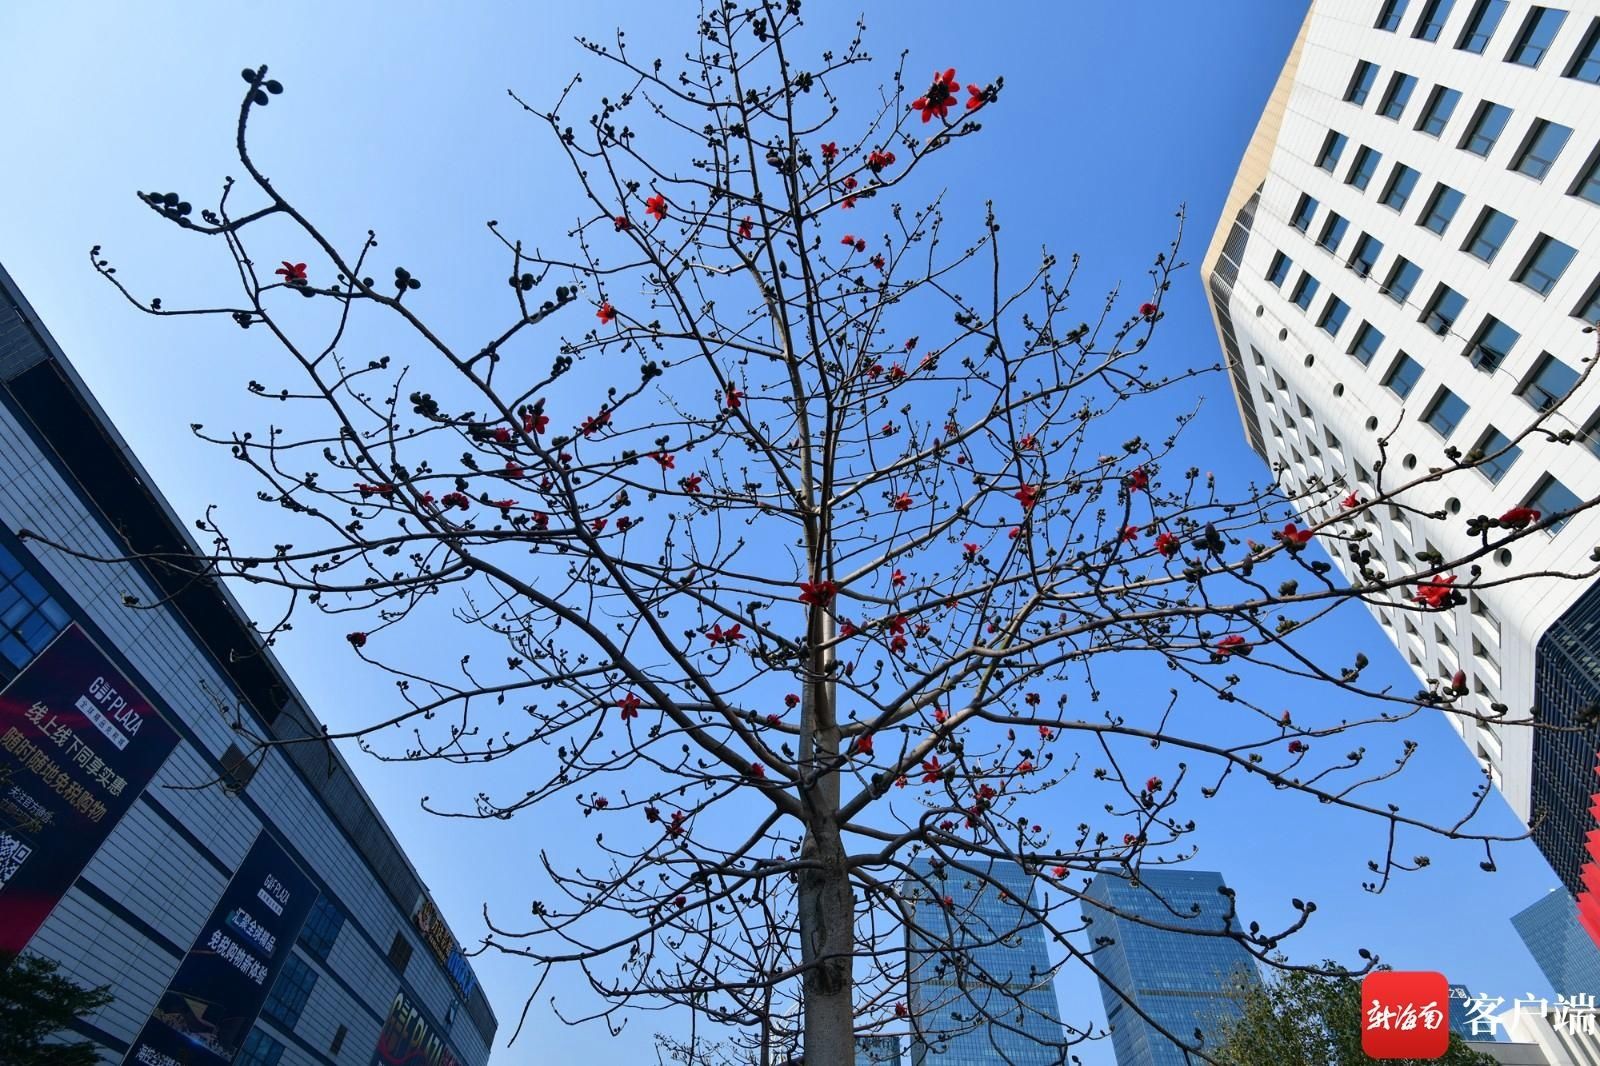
(827, 939)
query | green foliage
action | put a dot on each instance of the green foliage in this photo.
(1303, 1019)
(36, 1003)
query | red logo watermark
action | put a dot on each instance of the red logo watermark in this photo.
(1405, 1015)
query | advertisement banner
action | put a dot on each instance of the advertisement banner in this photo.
(408, 1040)
(222, 982)
(78, 743)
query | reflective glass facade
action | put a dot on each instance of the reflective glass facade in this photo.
(1564, 952)
(982, 987)
(1185, 982)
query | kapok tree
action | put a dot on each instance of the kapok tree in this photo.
(783, 525)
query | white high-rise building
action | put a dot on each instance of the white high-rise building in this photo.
(1409, 254)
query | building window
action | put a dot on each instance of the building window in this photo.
(321, 928)
(1403, 376)
(1332, 148)
(1333, 316)
(1279, 271)
(1585, 65)
(1446, 412)
(259, 1049)
(1434, 15)
(1398, 191)
(1361, 83)
(1552, 497)
(29, 617)
(1498, 454)
(1550, 381)
(1481, 24)
(1537, 32)
(1493, 344)
(1403, 278)
(1546, 262)
(1589, 310)
(1544, 144)
(290, 992)
(1365, 255)
(1444, 309)
(1441, 105)
(400, 952)
(1366, 165)
(1490, 235)
(338, 1039)
(238, 768)
(1441, 210)
(1588, 187)
(1304, 290)
(1368, 341)
(1487, 125)
(1393, 11)
(1333, 231)
(1399, 95)
(1304, 211)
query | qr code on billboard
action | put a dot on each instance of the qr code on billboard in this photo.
(12, 854)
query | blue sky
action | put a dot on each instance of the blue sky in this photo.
(1114, 114)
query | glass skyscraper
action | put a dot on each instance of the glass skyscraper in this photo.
(1183, 981)
(1558, 943)
(982, 986)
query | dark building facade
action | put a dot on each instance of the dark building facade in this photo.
(1185, 982)
(1556, 939)
(244, 906)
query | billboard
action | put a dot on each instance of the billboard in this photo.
(443, 944)
(219, 988)
(408, 1040)
(78, 743)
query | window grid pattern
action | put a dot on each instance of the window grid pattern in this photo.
(1551, 380)
(1403, 376)
(1441, 107)
(1481, 24)
(1487, 126)
(290, 992)
(321, 928)
(29, 617)
(1365, 166)
(1545, 142)
(1446, 412)
(1545, 265)
(1537, 34)
(1493, 229)
(1368, 340)
(1498, 454)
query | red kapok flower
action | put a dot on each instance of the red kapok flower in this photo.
(1147, 310)
(1058, 872)
(1294, 537)
(1139, 478)
(1232, 644)
(1130, 533)
(717, 635)
(774, 719)
(601, 803)
(666, 459)
(1025, 766)
(757, 770)
(746, 227)
(937, 100)
(1167, 544)
(1027, 495)
(931, 769)
(691, 484)
(849, 183)
(734, 398)
(878, 160)
(970, 550)
(974, 97)
(534, 422)
(791, 700)
(862, 745)
(829, 151)
(657, 206)
(1153, 785)
(652, 814)
(903, 502)
(502, 435)
(357, 640)
(1436, 592)
(1519, 517)
(1296, 747)
(948, 902)
(292, 273)
(630, 706)
(847, 628)
(817, 592)
(606, 314)
(1031, 699)
(1285, 719)
(1045, 733)
(900, 1010)
(621, 223)
(1351, 500)
(1458, 681)
(1128, 838)
(898, 578)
